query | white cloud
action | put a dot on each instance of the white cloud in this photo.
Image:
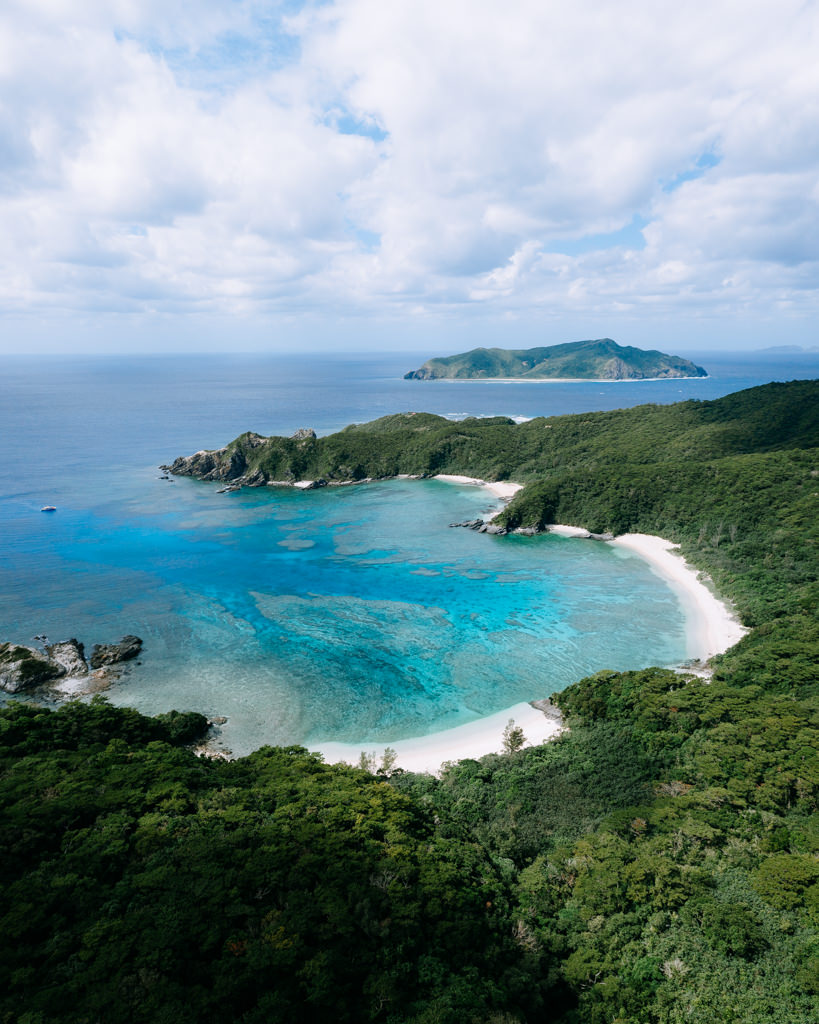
(380, 158)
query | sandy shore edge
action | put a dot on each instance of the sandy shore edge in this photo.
(504, 489)
(428, 753)
(711, 628)
(712, 625)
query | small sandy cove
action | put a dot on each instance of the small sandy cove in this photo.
(711, 629)
(502, 489)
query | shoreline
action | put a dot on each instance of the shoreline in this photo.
(556, 380)
(710, 624)
(472, 740)
(504, 489)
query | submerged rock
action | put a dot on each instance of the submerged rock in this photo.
(71, 655)
(21, 667)
(109, 654)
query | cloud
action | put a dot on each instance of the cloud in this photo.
(374, 159)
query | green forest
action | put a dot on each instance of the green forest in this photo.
(658, 863)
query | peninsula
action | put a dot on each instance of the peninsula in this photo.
(602, 359)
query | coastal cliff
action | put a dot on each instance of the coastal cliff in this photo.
(602, 359)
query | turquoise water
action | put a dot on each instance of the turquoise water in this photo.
(350, 614)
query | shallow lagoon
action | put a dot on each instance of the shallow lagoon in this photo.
(350, 614)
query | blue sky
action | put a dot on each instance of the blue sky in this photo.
(416, 175)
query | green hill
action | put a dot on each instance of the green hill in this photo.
(603, 359)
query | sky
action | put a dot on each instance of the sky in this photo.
(425, 175)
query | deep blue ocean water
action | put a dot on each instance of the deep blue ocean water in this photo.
(343, 614)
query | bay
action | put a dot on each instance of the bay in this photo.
(348, 614)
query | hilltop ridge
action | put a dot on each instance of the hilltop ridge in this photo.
(767, 418)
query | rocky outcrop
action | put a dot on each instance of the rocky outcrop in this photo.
(310, 485)
(228, 463)
(204, 465)
(110, 654)
(616, 369)
(550, 710)
(479, 526)
(71, 655)
(23, 667)
(251, 460)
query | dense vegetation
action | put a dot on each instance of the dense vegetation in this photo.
(603, 359)
(659, 863)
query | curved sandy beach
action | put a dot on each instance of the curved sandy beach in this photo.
(711, 627)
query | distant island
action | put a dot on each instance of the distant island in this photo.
(603, 359)
(788, 349)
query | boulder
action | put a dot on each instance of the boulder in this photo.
(71, 655)
(109, 654)
(21, 667)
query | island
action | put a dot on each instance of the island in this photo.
(602, 359)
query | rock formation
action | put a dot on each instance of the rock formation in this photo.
(71, 655)
(110, 654)
(22, 667)
(479, 526)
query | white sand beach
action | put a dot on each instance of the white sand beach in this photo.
(501, 489)
(711, 625)
(428, 753)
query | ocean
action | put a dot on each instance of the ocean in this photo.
(351, 614)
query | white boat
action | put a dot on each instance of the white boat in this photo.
(49, 508)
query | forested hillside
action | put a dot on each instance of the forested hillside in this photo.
(658, 863)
